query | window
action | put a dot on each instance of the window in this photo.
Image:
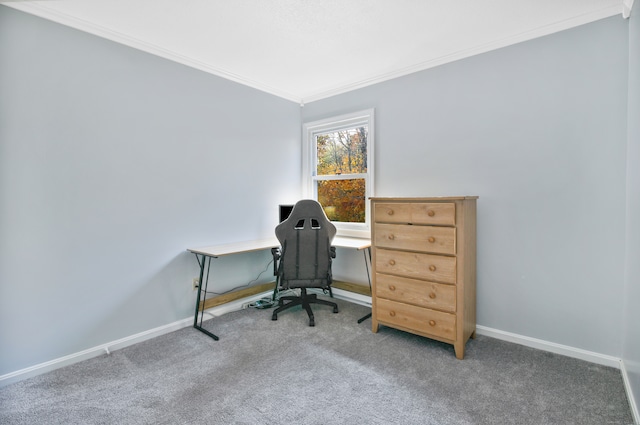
(338, 168)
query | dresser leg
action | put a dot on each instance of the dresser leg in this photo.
(473, 334)
(459, 348)
(374, 325)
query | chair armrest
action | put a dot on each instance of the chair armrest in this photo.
(275, 252)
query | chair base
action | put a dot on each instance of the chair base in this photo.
(305, 300)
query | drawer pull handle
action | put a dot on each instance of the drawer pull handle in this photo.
(391, 237)
(392, 313)
(392, 262)
(432, 295)
(431, 213)
(392, 287)
(431, 239)
(432, 322)
(432, 268)
(390, 212)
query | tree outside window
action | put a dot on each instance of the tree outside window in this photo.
(338, 167)
(341, 166)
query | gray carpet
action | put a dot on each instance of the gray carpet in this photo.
(339, 372)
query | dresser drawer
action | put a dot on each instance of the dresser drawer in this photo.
(439, 240)
(443, 214)
(436, 268)
(406, 316)
(438, 296)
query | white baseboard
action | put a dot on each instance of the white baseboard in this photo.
(565, 350)
(109, 347)
(54, 364)
(239, 304)
(539, 344)
(630, 396)
(552, 347)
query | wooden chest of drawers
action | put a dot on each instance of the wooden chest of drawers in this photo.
(424, 267)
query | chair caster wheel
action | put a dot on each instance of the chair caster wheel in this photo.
(335, 310)
(274, 317)
(312, 322)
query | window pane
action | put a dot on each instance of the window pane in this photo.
(342, 152)
(343, 200)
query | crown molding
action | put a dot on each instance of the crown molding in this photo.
(627, 5)
(44, 12)
(462, 54)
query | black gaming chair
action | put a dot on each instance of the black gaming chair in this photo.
(304, 259)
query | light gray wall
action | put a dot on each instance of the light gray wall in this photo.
(538, 131)
(631, 354)
(112, 163)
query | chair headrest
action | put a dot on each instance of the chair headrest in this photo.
(306, 214)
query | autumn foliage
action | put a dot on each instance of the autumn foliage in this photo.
(342, 163)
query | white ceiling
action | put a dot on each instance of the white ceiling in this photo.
(307, 50)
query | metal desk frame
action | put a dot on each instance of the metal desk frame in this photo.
(205, 254)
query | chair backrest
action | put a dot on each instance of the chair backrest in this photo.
(305, 237)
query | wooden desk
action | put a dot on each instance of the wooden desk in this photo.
(205, 254)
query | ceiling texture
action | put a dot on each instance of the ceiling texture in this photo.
(308, 50)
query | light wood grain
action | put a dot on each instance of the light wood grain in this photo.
(430, 239)
(436, 268)
(351, 287)
(236, 295)
(417, 319)
(415, 213)
(424, 261)
(421, 293)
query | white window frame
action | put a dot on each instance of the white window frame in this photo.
(309, 164)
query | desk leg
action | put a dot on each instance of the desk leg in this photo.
(197, 325)
(366, 316)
